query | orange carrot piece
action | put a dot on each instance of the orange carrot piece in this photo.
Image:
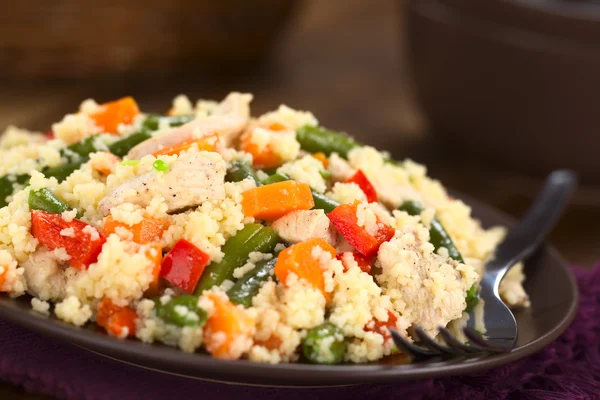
(227, 328)
(272, 201)
(116, 318)
(143, 232)
(261, 158)
(302, 260)
(111, 114)
(207, 143)
(154, 253)
(276, 126)
(323, 158)
(3, 276)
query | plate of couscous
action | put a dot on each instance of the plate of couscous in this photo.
(260, 249)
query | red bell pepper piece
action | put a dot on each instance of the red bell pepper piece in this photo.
(184, 265)
(364, 263)
(383, 328)
(49, 135)
(343, 217)
(365, 185)
(82, 246)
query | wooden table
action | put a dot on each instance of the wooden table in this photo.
(345, 62)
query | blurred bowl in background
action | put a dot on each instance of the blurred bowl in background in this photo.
(513, 81)
(75, 39)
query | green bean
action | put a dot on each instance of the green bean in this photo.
(181, 311)
(276, 177)
(245, 288)
(253, 237)
(318, 352)
(44, 199)
(472, 298)
(437, 234)
(62, 172)
(84, 147)
(238, 171)
(7, 183)
(321, 201)
(121, 147)
(317, 139)
(153, 121)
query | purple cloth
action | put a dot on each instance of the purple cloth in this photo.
(567, 369)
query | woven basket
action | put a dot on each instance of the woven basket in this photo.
(73, 38)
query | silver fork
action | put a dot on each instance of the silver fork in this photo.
(520, 242)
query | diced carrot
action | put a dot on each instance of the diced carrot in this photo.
(272, 201)
(116, 318)
(272, 343)
(154, 253)
(302, 260)
(323, 158)
(146, 231)
(344, 218)
(3, 276)
(227, 329)
(104, 165)
(381, 327)
(111, 114)
(207, 143)
(276, 126)
(364, 263)
(261, 157)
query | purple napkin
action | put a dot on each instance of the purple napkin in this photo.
(567, 369)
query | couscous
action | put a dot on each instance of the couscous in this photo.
(271, 238)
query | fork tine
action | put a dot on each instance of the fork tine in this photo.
(429, 342)
(478, 340)
(409, 348)
(456, 344)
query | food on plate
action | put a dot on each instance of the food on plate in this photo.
(268, 238)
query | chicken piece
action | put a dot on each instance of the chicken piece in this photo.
(192, 179)
(45, 277)
(301, 225)
(339, 168)
(427, 289)
(228, 120)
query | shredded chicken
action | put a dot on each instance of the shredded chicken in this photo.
(192, 179)
(427, 289)
(339, 168)
(301, 225)
(228, 120)
(45, 276)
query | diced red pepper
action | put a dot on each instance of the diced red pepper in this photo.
(364, 263)
(80, 245)
(115, 318)
(49, 135)
(184, 265)
(343, 217)
(365, 185)
(383, 328)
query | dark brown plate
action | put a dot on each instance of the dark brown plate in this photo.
(549, 282)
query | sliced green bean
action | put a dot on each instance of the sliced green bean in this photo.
(322, 202)
(44, 199)
(240, 170)
(324, 344)
(121, 147)
(317, 139)
(245, 288)
(7, 187)
(181, 311)
(437, 233)
(62, 172)
(84, 147)
(153, 121)
(472, 298)
(253, 237)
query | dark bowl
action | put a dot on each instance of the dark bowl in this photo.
(512, 81)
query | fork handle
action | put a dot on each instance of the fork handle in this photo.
(522, 240)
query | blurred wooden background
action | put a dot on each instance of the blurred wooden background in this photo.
(343, 60)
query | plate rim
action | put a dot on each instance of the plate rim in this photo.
(244, 371)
